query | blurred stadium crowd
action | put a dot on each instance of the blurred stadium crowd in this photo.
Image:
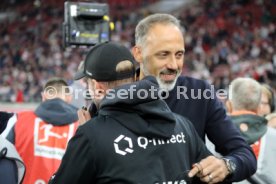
(224, 39)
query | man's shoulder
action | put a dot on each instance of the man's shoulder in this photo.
(25, 115)
(182, 122)
(95, 125)
(97, 129)
(191, 82)
(87, 131)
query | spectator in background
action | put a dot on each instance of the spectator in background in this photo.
(41, 137)
(267, 104)
(246, 97)
(243, 106)
(160, 51)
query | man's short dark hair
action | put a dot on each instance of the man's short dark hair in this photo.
(56, 83)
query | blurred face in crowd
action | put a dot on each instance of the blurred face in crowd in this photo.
(162, 55)
(264, 107)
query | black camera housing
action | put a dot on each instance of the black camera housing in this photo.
(85, 24)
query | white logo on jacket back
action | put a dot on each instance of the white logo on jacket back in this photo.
(126, 150)
(51, 141)
(143, 142)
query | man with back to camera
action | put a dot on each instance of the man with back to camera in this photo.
(134, 137)
(243, 108)
(41, 137)
(160, 51)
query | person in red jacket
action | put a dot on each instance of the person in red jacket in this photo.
(41, 136)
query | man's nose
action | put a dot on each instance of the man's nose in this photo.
(172, 63)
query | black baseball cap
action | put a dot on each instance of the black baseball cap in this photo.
(101, 61)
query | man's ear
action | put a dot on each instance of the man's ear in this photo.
(229, 106)
(43, 96)
(96, 85)
(137, 53)
(99, 88)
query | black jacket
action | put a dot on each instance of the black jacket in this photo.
(196, 100)
(132, 141)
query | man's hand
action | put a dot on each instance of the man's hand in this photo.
(83, 115)
(210, 170)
